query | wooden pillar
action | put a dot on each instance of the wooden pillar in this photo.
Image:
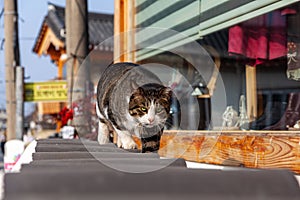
(251, 92)
(130, 30)
(69, 62)
(60, 67)
(118, 31)
(124, 25)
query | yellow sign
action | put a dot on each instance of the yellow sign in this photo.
(46, 91)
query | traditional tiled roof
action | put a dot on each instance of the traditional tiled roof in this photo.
(100, 27)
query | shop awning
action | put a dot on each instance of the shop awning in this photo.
(165, 25)
(180, 22)
(217, 15)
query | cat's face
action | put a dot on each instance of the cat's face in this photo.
(150, 105)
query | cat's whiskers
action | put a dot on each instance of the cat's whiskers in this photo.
(145, 131)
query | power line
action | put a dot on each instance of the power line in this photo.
(1, 13)
(2, 44)
(2, 40)
(23, 38)
(27, 38)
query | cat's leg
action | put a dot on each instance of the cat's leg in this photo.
(103, 133)
(125, 140)
(103, 129)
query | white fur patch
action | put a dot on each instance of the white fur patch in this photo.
(105, 112)
(100, 116)
(129, 122)
(127, 99)
(103, 133)
(149, 115)
(98, 111)
(125, 140)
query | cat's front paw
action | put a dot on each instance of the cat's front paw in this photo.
(126, 143)
(129, 145)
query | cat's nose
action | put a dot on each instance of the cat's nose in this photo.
(151, 120)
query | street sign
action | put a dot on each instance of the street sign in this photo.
(46, 91)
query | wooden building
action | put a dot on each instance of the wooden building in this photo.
(51, 42)
(248, 48)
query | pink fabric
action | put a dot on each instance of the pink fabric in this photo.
(260, 39)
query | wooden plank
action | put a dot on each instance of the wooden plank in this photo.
(129, 31)
(118, 30)
(49, 38)
(252, 149)
(251, 90)
(124, 25)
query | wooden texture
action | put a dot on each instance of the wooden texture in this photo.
(251, 92)
(45, 44)
(124, 26)
(119, 28)
(252, 149)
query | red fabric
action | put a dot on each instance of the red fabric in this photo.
(65, 115)
(260, 39)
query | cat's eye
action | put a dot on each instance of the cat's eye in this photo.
(143, 109)
(159, 109)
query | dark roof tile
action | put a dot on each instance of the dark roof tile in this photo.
(100, 27)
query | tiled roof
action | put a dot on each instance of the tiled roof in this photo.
(100, 27)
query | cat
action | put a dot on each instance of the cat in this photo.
(131, 100)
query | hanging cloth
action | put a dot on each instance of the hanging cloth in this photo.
(259, 39)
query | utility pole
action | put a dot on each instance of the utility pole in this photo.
(19, 102)
(69, 62)
(12, 60)
(77, 49)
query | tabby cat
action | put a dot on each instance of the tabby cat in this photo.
(131, 100)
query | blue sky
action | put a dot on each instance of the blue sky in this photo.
(31, 15)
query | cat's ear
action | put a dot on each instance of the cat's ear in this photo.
(137, 90)
(167, 92)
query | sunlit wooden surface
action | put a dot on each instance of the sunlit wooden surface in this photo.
(253, 149)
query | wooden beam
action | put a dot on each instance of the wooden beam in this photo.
(251, 92)
(251, 149)
(118, 30)
(124, 25)
(129, 25)
(60, 66)
(48, 39)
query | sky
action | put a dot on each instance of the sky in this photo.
(31, 16)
